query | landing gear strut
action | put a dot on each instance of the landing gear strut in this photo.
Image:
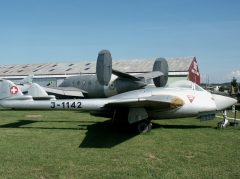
(135, 118)
(224, 123)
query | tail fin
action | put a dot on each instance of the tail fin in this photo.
(104, 67)
(161, 65)
(9, 90)
(26, 80)
(37, 92)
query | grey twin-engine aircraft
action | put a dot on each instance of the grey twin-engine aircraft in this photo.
(107, 81)
(136, 108)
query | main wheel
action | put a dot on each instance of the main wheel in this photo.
(144, 126)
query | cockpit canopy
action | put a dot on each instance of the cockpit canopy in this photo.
(185, 84)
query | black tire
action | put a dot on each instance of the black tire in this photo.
(144, 126)
(220, 125)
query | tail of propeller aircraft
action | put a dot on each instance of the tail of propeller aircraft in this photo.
(104, 71)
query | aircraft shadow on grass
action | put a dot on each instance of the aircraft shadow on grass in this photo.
(99, 134)
(22, 125)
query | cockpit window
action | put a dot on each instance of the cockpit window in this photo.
(198, 88)
(181, 84)
(186, 84)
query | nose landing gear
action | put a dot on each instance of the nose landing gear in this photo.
(224, 123)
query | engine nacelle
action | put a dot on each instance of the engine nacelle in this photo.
(161, 65)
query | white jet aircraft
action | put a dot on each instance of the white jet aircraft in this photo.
(136, 108)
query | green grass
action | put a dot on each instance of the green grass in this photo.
(67, 144)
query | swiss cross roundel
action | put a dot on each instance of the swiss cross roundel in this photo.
(14, 90)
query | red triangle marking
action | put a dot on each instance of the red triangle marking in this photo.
(191, 98)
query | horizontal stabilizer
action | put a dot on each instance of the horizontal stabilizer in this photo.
(150, 75)
(125, 75)
(20, 98)
(138, 77)
(66, 91)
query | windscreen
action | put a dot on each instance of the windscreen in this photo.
(185, 84)
(181, 84)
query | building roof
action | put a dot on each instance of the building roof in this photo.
(179, 64)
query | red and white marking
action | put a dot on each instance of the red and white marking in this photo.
(14, 90)
(191, 98)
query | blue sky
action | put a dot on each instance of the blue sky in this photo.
(42, 31)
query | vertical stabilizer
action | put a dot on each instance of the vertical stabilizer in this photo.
(36, 90)
(9, 90)
(38, 93)
(27, 80)
(104, 67)
(161, 65)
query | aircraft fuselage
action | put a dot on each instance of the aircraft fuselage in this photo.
(94, 89)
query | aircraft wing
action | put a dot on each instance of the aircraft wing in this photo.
(162, 102)
(66, 91)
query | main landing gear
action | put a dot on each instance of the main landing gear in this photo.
(135, 119)
(143, 126)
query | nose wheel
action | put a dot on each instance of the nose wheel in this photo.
(224, 123)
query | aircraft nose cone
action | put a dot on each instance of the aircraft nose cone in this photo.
(223, 102)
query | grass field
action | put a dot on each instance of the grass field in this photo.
(67, 144)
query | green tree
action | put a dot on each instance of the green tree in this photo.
(221, 88)
(234, 86)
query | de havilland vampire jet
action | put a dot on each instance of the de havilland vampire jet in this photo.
(108, 81)
(136, 108)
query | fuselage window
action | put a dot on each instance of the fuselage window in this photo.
(198, 88)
